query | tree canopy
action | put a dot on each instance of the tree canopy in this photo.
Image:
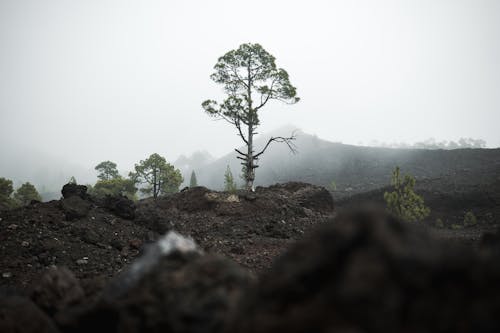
(26, 193)
(193, 182)
(250, 79)
(158, 176)
(107, 170)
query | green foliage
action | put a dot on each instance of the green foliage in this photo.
(6, 190)
(456, 226)
(403, 202)
(469, 219)
(439, 223)
(158, 176)
(26, 193)
(115, 187)
(6, 187)
(250, 79)
(193, 182)
(333, 186)
(229, 184)
(107, 170)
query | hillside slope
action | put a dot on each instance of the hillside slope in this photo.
(356, 169)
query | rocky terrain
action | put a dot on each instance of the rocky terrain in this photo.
(280, 259)
(96, 239)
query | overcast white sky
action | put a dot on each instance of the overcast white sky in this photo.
(92, 80)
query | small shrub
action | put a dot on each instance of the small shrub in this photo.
(469, 219)
(229, 183)
(333, 186)
(439, 224)
(457, 226)
(403, 202)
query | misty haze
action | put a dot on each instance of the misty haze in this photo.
(264, 166)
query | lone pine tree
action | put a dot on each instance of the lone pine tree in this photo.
(403, 202)
(250, 80)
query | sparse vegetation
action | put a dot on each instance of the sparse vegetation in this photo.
(112, 183)
(229, 184)
(26, 193)
(333, 185)
(250, 79)
(193, 182)
(439, 223)
(114, 187)
(403, 202)
(6, 190)
(469, 219)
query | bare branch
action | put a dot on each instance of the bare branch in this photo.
(238, 126)
(239, 152)
(288, 141)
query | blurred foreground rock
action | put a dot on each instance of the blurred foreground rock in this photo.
(364, 271)
(369, 272)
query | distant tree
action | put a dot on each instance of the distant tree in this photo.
(26, 193)
(229, 183)
(157, 175)
(193, 182)
(6, 190)
(403, 202)
(6, 187)
(333, 185)
(171, 179)
(72, 180)
(107, 170)
(250, 79)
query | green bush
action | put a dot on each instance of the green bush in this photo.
(115, 187)
(333, 185)
(403, 202)
(26, 193)
(229, 183)
(439, 223)
(469, 219)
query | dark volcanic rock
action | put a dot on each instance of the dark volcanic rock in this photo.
(368, 272)
(71, 189)
(57, 290)
(18, 314)
(120, 206)
(194, 199)
(169, 289)
(305, 195)
(75, 207)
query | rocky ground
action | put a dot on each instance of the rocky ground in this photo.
(96, 239)
(274, 260)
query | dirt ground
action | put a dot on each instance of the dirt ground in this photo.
(250, 228)
(282, 258)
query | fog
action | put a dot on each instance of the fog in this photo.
(86, 81)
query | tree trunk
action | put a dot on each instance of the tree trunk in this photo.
(250, 169)
(154, 184)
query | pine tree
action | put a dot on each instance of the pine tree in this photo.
(403, 202)
(26, 193)
(250, 79)
(193, 182)
(229, 184)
